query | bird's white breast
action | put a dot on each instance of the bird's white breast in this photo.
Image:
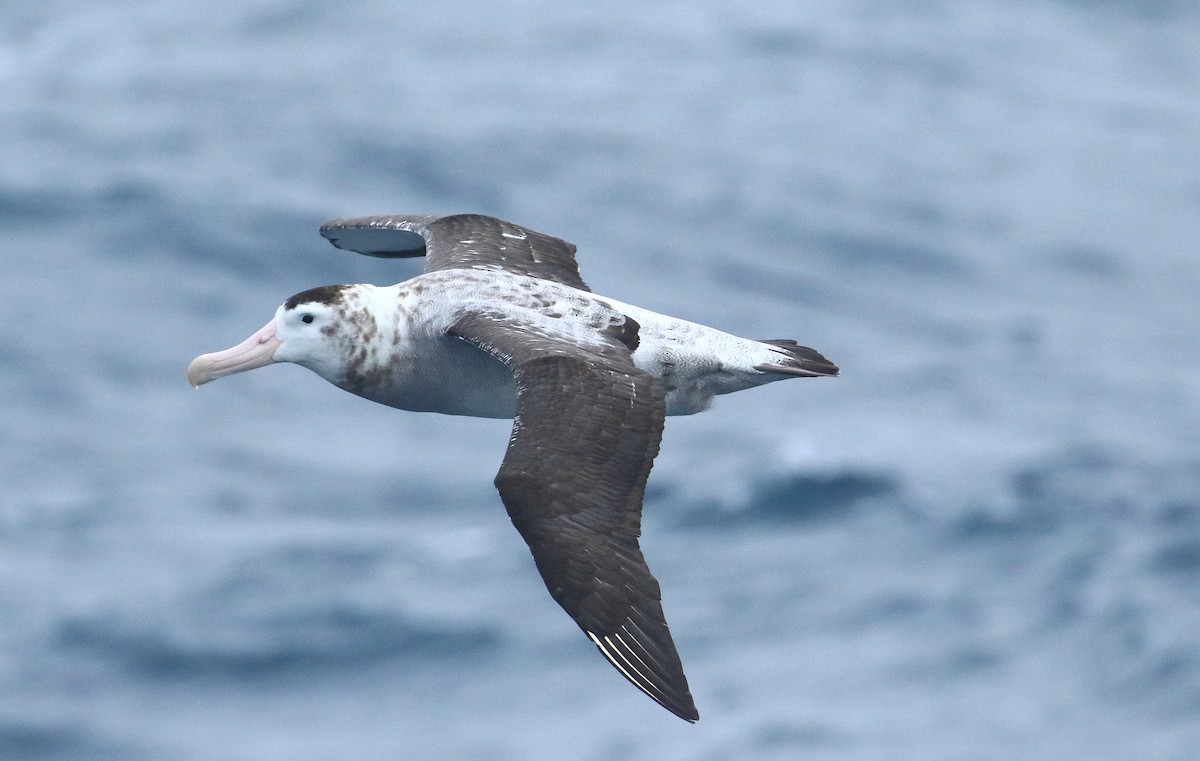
(410, 363)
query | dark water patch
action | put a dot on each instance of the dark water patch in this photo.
(286, 611)
(271, 644)
(13, 353)
(1086, 475)
(986, 523)
(1132, 664)
(855, 251)
(314, 491)
(1177, 514)
(964, 661)
(804, 498)
(27, 741)
(657, 492)
(300, 571)
(135, 221)
(229, 502)
(1065, 599)
(821, 496)
(923, 215)
(422, 170)
(1049, 494)
(942, 69)
(1025, 334)
(1177, 558)
(760, 281)
(1089, 261)
(26, 206)
(126, 193)
(1033, 484)
(886, 610)
(159, 231)
(778, 42)
(46, 385)
(1143, 10)
(261, 242)
(284, 19)
(797, 735)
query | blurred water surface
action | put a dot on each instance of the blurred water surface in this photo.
(982, 542)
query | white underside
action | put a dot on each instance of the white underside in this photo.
(442, 374)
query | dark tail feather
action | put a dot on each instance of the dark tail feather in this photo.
(797, 360)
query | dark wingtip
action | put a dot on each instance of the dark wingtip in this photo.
(801, 361)
(651, 666)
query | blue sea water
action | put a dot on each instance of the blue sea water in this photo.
(982, 542)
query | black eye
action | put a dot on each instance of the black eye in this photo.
(306, 318)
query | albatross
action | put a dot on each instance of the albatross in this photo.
(501, 325)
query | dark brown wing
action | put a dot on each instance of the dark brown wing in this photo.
(586, 432)
(460, 241)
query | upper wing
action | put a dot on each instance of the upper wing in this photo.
(586, 432)
(460, 241)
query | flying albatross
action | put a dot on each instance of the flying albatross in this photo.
(501, 325)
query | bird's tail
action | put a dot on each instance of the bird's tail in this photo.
(796, 360)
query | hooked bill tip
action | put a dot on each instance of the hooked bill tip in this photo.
(195, 371)
(255, 351)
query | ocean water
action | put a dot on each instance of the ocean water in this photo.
(981, 542)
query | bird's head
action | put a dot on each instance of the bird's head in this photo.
(307, 330)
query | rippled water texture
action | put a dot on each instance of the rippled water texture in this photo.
(982, 542)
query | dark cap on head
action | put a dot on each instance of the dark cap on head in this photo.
(326, 294)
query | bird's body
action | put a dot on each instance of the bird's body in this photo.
(399, 352)
(501, 325)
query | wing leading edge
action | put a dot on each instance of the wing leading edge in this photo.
(460, 241)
